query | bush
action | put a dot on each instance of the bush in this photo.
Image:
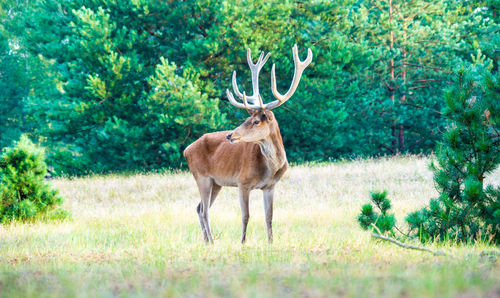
(24, 194)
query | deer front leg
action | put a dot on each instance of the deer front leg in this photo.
(245, 214)
(268, 209)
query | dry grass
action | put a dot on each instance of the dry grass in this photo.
(140, 236)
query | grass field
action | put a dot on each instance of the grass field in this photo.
(140, 236)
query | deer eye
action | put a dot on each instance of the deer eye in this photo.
(256, 122)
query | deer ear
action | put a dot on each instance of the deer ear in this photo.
(263, 117)
(267, 115)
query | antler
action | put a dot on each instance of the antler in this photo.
(297, 74)
(255, 69)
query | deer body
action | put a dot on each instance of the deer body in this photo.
(204, 154)
(250, 157)
(251, 165)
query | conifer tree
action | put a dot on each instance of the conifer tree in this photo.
(24, 194)
(90, 65)
(477, 26)
(13, 79)
(401, 89)
(466, 209)
(380, 222)
(100, 120)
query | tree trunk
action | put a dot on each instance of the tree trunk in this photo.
(403, 97)
(391, 46)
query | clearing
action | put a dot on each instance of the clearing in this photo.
(140, 236)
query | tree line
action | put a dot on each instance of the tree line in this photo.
(126, 85)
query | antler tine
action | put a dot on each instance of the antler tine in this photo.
(255, 69)
(245, 101)
(297, 74)
(265, 59)
(235, 86)
(234, 102)
(261, 102)
(243, 105)
(249, 59)
(237, 91)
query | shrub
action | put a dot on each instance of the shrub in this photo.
(24, 194)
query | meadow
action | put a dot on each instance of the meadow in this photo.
(139, 236)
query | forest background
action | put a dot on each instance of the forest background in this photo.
(125, 86)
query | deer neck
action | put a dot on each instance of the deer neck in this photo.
(273, 151)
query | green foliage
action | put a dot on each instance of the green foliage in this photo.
(466, 209)
(13, 79)
(81, 76)
(378, 222)
(23, 192)
(176, 109)
(477, 27)
(120, 106)
(398, 92)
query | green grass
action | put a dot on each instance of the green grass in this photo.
(140, 236)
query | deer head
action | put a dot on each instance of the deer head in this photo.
(255, 128)
(262, 122)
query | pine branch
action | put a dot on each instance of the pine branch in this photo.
(427, 80)
(425, 66)
(409, 246)
(418, 87)
(406, 235)
(378, 235)
(376, 5)
(493, 253)
(150, 31)
(420, 107)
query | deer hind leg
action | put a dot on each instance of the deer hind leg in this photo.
(245, 214)
(199, 210)
(215, 191)
(268, 209)
(205, 185)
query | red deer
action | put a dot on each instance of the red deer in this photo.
(251, 156)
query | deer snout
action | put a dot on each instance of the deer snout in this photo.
(229, 136)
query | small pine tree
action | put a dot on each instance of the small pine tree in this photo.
(380, 222)
(466, 209)
(23, 192)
